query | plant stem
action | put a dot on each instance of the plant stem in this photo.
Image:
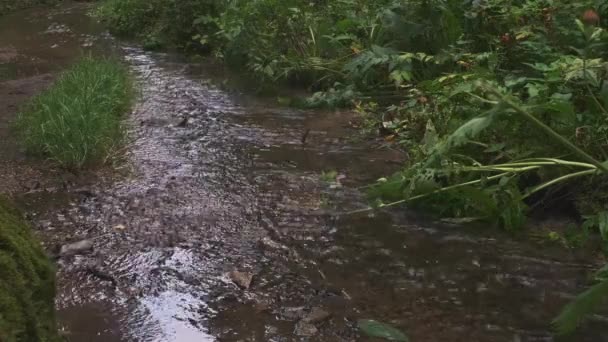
(557, 180)
(597, 102)
(447, 188)
(550, 132)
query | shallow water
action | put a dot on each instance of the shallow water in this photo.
(221, 181)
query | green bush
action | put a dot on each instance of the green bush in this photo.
(78, 121)
(158, 22)
(27, 283)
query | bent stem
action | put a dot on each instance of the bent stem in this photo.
(550, 132)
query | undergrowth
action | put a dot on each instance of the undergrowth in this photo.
(78, 121)
(500, 104)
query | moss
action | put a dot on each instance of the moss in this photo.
(27, 283)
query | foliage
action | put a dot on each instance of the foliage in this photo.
(161, 23)
(27, 283)
(77, 121)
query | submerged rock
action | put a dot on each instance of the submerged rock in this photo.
(316, 315)
(241, 279)
(305, 329)
(27, 283)
(79, 247)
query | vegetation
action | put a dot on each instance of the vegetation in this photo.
(501, 104)
(78, 121)
(27, 283)
(7, 6)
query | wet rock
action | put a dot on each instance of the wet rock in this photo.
(316, 315)
(80, 247)
(305, 329)
(262, 305)
(241, 279)
(271, 245)
(293, 313)
(182, 123)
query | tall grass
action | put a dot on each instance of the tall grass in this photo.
(78, 121)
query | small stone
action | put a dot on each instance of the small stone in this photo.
(120, 227)
(241, 279)
(80, 247)
(261, 306)
(305, 329)
(316, 315)
(269, 244)
(293, 313)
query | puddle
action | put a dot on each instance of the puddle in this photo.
(222, 181)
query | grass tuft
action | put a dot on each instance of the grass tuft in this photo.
(78, 121)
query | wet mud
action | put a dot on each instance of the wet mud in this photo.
(220, 228)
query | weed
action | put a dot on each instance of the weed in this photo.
(329, 176)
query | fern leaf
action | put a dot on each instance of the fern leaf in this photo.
(584, 304)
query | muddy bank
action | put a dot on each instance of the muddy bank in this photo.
(219, 182)
(16, 172)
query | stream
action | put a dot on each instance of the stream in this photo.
(217, 181)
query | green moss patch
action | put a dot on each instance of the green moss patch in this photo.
(27, 283)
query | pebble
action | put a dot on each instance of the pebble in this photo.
(305, 329)
(80, 247)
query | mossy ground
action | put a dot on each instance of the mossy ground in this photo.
(27, 283)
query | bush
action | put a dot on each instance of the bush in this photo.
(160, 23)
(27, 283)
(78, 121)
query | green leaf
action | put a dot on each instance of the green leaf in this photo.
(376, 329)
(583, 305)
(533, 90)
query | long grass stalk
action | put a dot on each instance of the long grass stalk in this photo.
(547, 130)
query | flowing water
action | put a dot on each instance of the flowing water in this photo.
(219, 181)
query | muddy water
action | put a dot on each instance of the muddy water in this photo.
(220, 181)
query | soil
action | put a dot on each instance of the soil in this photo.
(19, 174)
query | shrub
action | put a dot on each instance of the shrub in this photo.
(78, 121)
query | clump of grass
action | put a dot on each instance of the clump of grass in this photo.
(78, 121)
